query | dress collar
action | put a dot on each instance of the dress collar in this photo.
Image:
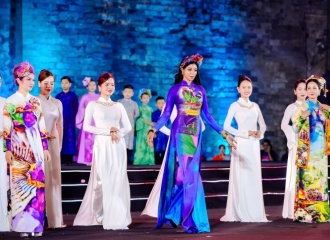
(247, 103)
(184, 83)
(27, 97)
(312, 105)
(44, 98)
(101, 99)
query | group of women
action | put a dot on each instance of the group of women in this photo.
(32, 138)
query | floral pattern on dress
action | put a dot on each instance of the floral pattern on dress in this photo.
(25, 137)
(311, 201)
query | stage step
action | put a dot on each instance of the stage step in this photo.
(215, 177)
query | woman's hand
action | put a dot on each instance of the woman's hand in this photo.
(114, 129)
(114, 137)
(47, 157)
(9, 157)
(255, 134)
(50, 137)
(1, 134)
(305, 114)
(231, 141)
(324, 107)
(150, 138)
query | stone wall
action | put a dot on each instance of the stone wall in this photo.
(143, 41)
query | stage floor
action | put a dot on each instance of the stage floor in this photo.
(143, 228)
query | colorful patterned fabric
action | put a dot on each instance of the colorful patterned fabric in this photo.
(25, 137)
(311, 201)
(182, 197)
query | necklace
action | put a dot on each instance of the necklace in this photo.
(107, 104)
(245, 106)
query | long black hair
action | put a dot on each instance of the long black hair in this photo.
(179, 77)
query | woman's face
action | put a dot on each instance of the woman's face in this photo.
(26, 83)
(245, 89)
(46, 85)
(300, 92)
(91, 87)
(107, 88)
(189, 73)
(313, 91)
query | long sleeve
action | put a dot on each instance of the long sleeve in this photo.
(286, 128)
(88, 120)
(298, 122)
(174, 113)
(261, 122)
(81, 113)
(206, 115)
(139, 121)
(168, 108)
(227, 125)
(127, 127)
(75, 104)
(136, 111)
(42, 129)
(59, 123)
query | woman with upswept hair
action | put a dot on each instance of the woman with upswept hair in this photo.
(26, 148)
(107, 197)
(182, 199)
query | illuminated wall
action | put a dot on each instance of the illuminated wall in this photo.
(142, 43)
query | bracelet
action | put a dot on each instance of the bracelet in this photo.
(225, 135)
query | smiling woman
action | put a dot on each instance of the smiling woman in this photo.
(54, 125)
(245, 201)
(107, 198)
(182, 199)
(26, 150)
(311, 122)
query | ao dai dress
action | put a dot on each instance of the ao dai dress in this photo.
(107, 197)
(245, 201)
(85, 139)
(291, 170)
(52, 110)
(181, 198)
(312, 201)
(25, 135)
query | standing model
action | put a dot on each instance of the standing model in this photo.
(292, 137)
(312, 123)
(107, 198)
(26, 150)
(182, 195)
(245, 202)
(52, 110)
